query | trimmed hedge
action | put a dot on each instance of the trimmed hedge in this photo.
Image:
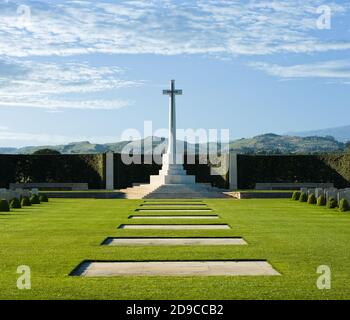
(332, 203)
(296, 195)
(25, 202)
(4, 206)
(344, 205)
(34, 199)
(86, 168)
(203, 172)
(333, 168)
(15, 204)
(43, 198)
(125, 175)
(311, 199)
(321, 201)
(91, 169)
(303, 197)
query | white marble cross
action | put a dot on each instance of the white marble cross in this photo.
(171, 152)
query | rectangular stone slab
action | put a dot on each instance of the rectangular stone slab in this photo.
(174, 241)
(176, 268)
(173, 210)
(174, 217)
(171, 203)
(172, 200)
(175, 226)
(165, 204)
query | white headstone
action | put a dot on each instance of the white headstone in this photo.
(26, 193)
(311, 191)
(303, 190)
(5, 195)
(343, 194)
(331, 193)
(35, 191)
(319, 192)
(11, 195)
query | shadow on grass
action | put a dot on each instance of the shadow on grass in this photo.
(13, 214)
(34, 207)
(24, 210)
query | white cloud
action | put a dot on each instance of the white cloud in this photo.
(166, 27)
(332, 69)
(10, 138)
(56, 86)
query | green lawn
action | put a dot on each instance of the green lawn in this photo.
(53, 238)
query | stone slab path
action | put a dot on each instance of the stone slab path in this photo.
(183, 208)
(174, 241)
(174, 210)
(195, 204)
(176, 268)
(175, 226)
(200, 217)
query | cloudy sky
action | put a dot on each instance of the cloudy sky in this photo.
(88, 70)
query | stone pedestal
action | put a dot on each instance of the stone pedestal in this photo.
(109, 171)
(172, 173)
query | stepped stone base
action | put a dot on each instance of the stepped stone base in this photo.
(172, 174)
(172, 179)
(174, 191)
(173, 183)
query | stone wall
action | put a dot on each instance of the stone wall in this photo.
(246, 170)
(88, 168)
(127, 174)
(333, 168)
(91, 169)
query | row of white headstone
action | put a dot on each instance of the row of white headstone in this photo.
(328, 193)
(6, 194)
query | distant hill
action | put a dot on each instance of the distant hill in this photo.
(277, 144)
(339, 133)
(70, 148)
(8, 150)
(262, 144)
(138, 146)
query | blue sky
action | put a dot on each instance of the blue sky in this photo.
(87, 70)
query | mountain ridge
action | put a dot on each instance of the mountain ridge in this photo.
(341, 133)
(269, 143)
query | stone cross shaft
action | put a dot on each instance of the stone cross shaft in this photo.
(171, 152)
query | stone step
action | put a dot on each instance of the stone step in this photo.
(190, 191)
(174, 191)
(184, 195)
(187, 187)
(172, 179)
